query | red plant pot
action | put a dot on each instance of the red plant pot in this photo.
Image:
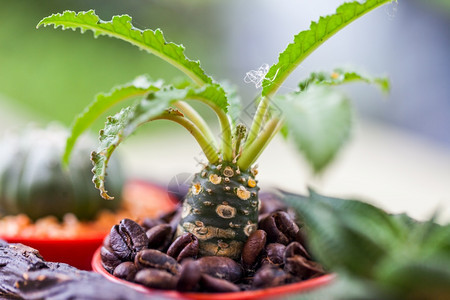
(274, 292)
(78, 251)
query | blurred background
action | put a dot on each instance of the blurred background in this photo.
(399, 156)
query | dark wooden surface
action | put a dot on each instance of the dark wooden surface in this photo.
(25, 275)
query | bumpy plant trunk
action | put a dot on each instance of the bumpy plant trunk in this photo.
(221, 209)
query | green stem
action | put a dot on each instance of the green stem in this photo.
(251, 153)
(241, 131)
(208, 148)
(257, 120)
(197, 119)
(227, 144)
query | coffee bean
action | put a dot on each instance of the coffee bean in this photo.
(106, 241)
(295, 248)
(269, 276)
(186, 245)
(126, 270)
(220, 267)
(109, 259)
(189, 276)
(169, 216)
(253, 247)
(148, 223)
(287, 225)
(280, 228)
(270, 202)
(274, 254)
(301, 267)
(274, 235)
(127, 238)
(157, 279)
(175, 219)
(215, 285)
(150, 258)
(159, 237)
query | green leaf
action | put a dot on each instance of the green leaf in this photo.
(346, 234)
(284, 131)
(319, 121)
(110, 138)
(333, 242)
(392, 253)
(120, 27)
(138, 87)
(309, 40)
(415, 275)
(341, 76)
(126, 122)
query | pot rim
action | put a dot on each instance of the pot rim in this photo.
(93, 237)
(305, 285)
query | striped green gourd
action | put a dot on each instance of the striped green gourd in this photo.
(33, 182)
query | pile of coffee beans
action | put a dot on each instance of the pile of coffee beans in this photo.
(147, 254)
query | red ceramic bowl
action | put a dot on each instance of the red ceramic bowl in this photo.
(78, 251)
(272, 293)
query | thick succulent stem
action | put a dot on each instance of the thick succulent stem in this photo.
(227, 147)
(206, 145)
(196, 118)
(258, 120)
(251, 153)
(221, 209)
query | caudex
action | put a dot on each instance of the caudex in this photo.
(221, 207)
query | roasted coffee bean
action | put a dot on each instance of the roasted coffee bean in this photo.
(261, 217)
(175, 219)
(253, 247)
(157, 279)
(150, 258)
(186, 245)
(148, 223)
(215, 285)
(301, 267)
(280, 228)
(270, 202)
(220, 267)
(269, 276)
(168, 216)
(274, 235)
(126, 270)
(127, 238)
(274, 254)
(106, 241)
(295, 248)
(109, 259)
(159, 237)
(189, 276)
(287, 225)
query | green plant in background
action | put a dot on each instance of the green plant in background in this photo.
(376, 254)
(33, 182)
(221, 208)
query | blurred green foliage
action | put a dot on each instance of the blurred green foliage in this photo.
(383, 255)
(55, 74)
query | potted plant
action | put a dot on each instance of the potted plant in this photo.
(52, 209)
(220, 220)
